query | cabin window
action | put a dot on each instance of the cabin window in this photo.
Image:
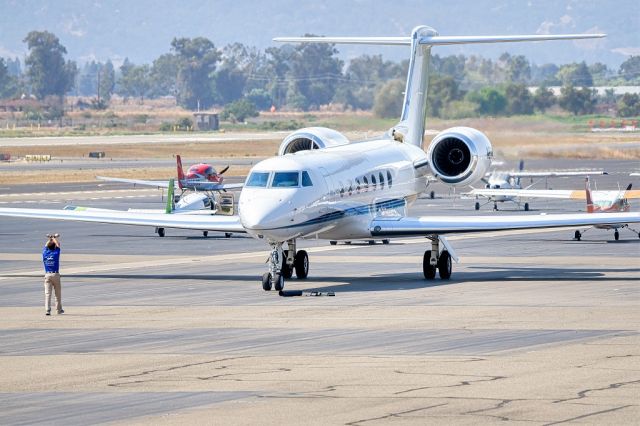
(357, 185)
(389, 180)
(350, 188)
(366, 183)
(306, 179)
(341, 192)
(285, 180)
(381, 176)
(373, 182)
(258, 179)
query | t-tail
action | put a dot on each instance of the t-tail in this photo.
(410, 128)
(170, 199)
(590, 206)
(180, 171)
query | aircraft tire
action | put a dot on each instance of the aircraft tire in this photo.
(428, 269)
(266, 281)
(444, 265)
(372, 242)
(333, 243)
(160, 232)
(526, 207)
(205, 234)
(432, 195)
(278, 282)
(616, 235)
(577, 235)
(385, 241)
(477, 206)
(227, 234)
(301, 264)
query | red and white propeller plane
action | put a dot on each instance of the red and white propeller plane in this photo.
(321, 185)
(200, 177)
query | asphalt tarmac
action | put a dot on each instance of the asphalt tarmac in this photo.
(533, 326)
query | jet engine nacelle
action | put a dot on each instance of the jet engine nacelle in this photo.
(311, 138)
(460, 155)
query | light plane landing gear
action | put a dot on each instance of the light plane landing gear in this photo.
(283, 263)
(160, 232)
(435, 259)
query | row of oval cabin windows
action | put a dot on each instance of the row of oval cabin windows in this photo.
(363, 183)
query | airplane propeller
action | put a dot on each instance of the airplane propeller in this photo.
(223, 170)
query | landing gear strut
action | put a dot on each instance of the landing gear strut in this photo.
(282, 264)
(435, 259)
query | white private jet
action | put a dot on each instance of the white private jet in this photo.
(323, 186)
(497, 181)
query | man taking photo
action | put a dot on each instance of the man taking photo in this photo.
(51, 260)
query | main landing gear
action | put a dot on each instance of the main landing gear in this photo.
(435, 259)
(282, 264)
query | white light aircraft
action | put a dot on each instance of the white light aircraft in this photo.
(322, 186)
(497, 181)
(596, 202)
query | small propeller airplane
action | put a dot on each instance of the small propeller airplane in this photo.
(200, 177)
(596, 201)
(497, 181)
(323, 186)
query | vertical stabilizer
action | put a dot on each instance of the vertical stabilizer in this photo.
(410, 129)
(590, 206)
(170, 199)
(180, 171)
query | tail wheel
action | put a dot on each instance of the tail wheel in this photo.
(428, 269)
(301, 263)
(444, 265)
(266, 281)
(286, 270)
(278, 282)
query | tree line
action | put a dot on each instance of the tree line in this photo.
(308, 76)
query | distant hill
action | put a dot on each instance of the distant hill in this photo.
(143, 29)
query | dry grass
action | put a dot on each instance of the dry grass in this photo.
(231, 149)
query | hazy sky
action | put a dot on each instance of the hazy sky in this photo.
(142, 30)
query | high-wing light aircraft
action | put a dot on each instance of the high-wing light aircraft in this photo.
(596, 201)
(322, 186)
(498, 180)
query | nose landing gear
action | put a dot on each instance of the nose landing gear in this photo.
(282, 264)
(435, 259)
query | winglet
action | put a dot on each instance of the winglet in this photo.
(170, 205)
(180, 172)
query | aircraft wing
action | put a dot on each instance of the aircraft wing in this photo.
(211, 186)
(530, 193)
(437, 225)
(523, 174)
(156, 183)
(160, 220)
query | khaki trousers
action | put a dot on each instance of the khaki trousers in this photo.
(52, 280)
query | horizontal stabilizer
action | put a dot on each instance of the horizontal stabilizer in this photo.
(436, 40)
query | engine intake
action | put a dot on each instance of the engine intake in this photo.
(460, 155)
(311, 138)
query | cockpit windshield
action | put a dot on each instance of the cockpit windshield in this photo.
(285, 179)
(258, 179)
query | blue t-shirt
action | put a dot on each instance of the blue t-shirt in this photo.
(51, 259)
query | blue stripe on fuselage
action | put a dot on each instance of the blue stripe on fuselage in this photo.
(352, 211)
